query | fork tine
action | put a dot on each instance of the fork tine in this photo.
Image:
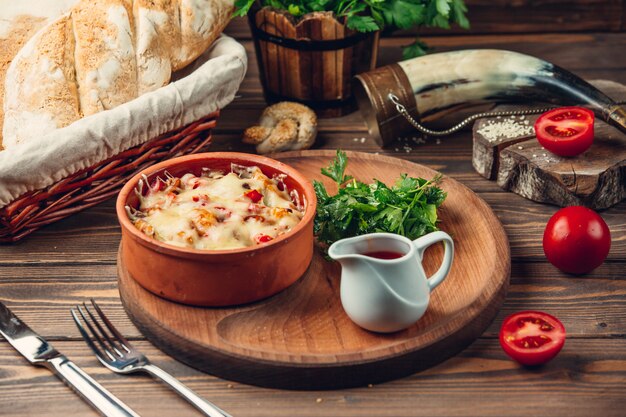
(123, 341)
(99, 353)
(96, 335)
(105, 334)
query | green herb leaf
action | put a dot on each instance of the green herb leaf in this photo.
(362, 23)
(417, 48)
(458, 12)
(443, 7)
(408, 208)
(242, 7)
(373, 15)
(336, 169)
(294, 9)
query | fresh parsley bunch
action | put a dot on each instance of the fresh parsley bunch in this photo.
(373, 15)
(408, 208)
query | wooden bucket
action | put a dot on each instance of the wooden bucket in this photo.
(311, 61)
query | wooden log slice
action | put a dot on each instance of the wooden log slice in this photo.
(506, 150)
(302, 339)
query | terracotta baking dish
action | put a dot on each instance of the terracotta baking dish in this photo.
(217, 277)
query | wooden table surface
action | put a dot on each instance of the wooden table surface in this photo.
(73, 260)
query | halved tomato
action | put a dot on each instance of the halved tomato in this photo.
(532, 337)
(566, 131)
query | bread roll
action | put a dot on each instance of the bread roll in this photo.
(101, 54)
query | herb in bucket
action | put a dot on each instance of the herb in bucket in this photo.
(408, 208)
(373, 15)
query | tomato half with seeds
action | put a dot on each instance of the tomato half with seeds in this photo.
(566, 131)
(532, 337)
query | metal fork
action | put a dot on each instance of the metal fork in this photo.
(116, 353)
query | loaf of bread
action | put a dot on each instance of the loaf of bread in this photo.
(19, 21)
(101, 54)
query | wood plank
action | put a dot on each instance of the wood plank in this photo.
(522, 16)
(524, 220)
(586, 379)
(554, 47)
(30, 290)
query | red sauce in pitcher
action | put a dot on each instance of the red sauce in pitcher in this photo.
(384, 254)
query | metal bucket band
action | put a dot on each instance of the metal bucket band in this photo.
(315, 104)
(308, 44)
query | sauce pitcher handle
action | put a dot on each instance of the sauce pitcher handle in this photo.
(424, 242)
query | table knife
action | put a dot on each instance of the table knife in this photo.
(41, 353)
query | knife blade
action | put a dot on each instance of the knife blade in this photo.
(41, 353)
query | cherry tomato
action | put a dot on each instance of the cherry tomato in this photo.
(532, 337)
(566, 131)
(254, 195)
(576, 240)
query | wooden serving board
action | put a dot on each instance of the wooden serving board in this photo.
(596, 178)
(302, 339)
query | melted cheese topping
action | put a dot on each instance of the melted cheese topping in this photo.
(216, 211)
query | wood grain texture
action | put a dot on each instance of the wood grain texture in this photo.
(596, 178)
(534, 285)
(70, 261)
(320, 79)
(521, 16)
(301, 338)
(586, 379)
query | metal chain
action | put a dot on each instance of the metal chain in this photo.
(423, 129)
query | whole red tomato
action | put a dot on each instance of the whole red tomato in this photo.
(576, 240)
(532, 337)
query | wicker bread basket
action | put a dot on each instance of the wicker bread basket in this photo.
(87, 180)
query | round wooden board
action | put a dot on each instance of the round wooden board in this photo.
(302, 338)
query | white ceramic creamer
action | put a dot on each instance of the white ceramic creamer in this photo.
(387, 295)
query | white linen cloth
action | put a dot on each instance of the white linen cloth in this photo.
(208, 84)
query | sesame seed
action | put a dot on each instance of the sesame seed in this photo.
(506, 129)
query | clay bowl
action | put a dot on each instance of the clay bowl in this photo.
(217, 277)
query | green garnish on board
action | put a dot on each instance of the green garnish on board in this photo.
(408, 208)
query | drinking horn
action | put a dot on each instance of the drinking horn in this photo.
(427, 84)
